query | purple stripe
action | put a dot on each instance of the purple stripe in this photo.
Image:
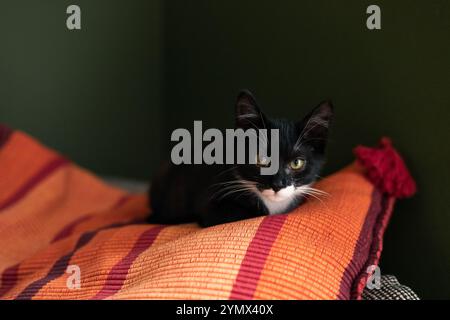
(9, 279)
(33, 181)
(60, 266)
(375, 249)
(119, 272)
(363, 244)
(68, 229)
(10, 275)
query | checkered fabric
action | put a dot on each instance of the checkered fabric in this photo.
(390, 289)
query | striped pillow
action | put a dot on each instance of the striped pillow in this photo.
(62, 228)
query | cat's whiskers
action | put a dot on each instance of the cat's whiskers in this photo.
(225, 171)
(316, 193)
(233, 186)
(232, 190)
(228, 183)
(242, 191)
(316, 197)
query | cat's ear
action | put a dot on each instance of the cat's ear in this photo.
(315, 126)
(248, 114)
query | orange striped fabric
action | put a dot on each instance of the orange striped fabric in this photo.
(55, 215)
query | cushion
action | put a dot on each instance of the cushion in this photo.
(66, 234)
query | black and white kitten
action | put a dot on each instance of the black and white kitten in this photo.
(215, 194)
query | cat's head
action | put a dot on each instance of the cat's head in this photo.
(302, 146)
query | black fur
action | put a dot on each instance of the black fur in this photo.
(185, 193)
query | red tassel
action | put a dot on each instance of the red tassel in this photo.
(386, 169)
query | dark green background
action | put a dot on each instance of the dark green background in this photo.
(109, 95)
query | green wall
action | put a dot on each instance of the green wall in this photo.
(109, 95)
(95, 93)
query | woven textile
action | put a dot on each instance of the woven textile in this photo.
(55, 215)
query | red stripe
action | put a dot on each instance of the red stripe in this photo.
(119, 272)
(122, 201)
(33, 181)
(68, 229)
(255, 258)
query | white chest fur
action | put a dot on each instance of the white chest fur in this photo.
(278, 202)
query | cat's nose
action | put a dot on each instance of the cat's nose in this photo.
(277, 186)
(279, 183)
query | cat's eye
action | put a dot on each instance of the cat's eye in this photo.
(262, 161)
(297, 164)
